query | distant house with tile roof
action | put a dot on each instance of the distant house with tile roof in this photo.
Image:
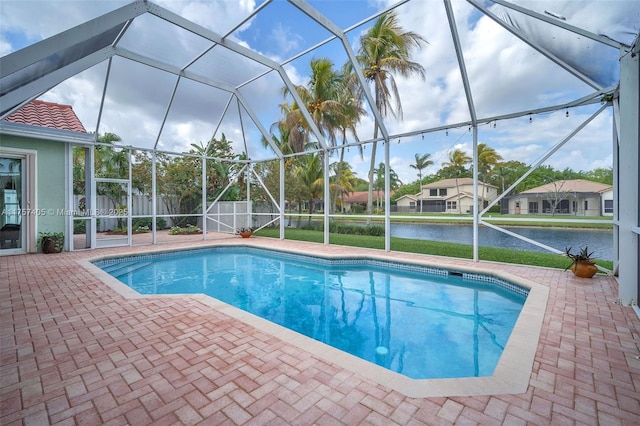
(447, 196)
(579, 197)
(35, 147)
(361, 198)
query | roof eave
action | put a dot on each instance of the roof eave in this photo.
(36, 132)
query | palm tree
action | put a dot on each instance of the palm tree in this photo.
(342, 183)
(487, 160)
(394, 181)
(386, 49)
(321, 98)
(310, 173)
(422, 162)
(350, 97)
(458, 159)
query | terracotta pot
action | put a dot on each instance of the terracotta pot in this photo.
(584, 269)
(246, 234)
(52, 244)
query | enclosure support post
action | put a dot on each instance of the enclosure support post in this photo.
(89, 200)
(248, 170)
(129, 201)
(387, 196)
(282, 206)
(68, 195)
(327, 197)
(204, 197)
(475, 209)
(154, 238)
(628, 212)
(90, 180)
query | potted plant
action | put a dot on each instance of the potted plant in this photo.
(582, 264)
(244, 232)
(51, 242)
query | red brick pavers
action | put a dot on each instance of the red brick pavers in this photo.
(74, 351)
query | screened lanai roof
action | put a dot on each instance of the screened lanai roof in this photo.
(166, 75)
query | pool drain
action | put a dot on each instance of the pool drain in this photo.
(381, 350)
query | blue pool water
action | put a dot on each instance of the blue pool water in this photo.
(418, 321)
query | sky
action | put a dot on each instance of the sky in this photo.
(505, 75)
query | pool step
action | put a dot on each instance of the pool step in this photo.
(119, 269)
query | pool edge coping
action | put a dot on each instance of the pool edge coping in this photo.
(511, 375)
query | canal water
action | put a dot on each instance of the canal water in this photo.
(598, 241)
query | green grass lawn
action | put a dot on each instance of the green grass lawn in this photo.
(439, 248)
(604, 222)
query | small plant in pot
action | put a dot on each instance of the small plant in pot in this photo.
(51, 242)
(244, 232)
(583, 265)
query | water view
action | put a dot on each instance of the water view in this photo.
(598, 241)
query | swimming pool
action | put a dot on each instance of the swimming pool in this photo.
(418, 321)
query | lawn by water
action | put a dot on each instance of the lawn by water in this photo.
(439, 248)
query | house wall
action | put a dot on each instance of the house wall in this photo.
(50, 181)
(466, 203)
(607, 196)
(406, 202)
(595, 205)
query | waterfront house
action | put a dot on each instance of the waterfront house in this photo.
(445, 196)
(579, 197)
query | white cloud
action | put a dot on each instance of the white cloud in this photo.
(5, 46)
(284, 40)
(505, 74)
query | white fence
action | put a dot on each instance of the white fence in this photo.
(224, 216)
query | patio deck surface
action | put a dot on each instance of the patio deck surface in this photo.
(74, 351)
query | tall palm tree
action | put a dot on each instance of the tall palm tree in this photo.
(386, 49)
(422, 162)
(488, 158)
(321, 98)
(458, 159)
(350, 97)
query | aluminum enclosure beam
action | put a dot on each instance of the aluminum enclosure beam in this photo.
(474, 119)
(628, 178)
(17, 97)
(540, 49)
(561, 24)
(31, 54)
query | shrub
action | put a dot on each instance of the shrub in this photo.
(376, 230)
(341, 228)
(139, 222)
(357, 209)
(181, 230)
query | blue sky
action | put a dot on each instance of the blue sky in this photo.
(506, 75)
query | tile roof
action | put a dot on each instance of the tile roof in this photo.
(362, 196)
(48, 114)
(451, 183)
(572, 185)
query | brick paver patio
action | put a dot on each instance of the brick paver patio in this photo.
(74, 351)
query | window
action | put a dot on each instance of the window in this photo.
(586, 206)
(608, 206)
(443, 191)
(533, 207)
(412, 205)
(452, 205)
(433, 192)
